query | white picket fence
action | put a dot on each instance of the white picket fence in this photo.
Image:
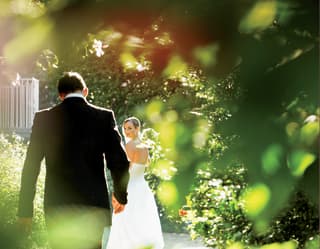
(18, 105)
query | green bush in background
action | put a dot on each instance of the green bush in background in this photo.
(12, 153)
(215, 212)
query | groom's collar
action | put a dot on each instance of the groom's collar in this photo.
(74, 95)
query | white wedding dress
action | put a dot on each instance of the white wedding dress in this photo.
(138, 226)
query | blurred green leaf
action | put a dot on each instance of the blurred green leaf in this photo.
(4, 8)
(255, 199)
(168, 194)
(153, 111)
(310, 131)
(168, 133)
(260, 16)
(128, 61)
(299, 161)
(176, 68)
(207, 56)
(292, 130)
(29, 41)
(272, 158)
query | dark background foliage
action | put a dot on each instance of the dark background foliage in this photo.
(230, 86)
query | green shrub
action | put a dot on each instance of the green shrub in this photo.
(299, 221)
(170, 220)
(12, 154)
(215, 212)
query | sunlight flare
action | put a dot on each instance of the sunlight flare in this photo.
(29, 41)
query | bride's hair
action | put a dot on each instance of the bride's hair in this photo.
(136, 123)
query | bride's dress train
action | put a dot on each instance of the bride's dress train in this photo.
(138, 226)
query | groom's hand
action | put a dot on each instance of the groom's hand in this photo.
(117, 207)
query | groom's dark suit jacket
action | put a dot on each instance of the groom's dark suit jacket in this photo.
(74, 138)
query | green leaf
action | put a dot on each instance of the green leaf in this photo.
(207, 55)
(271, 158)
(299, 161)
(176, 68)
(255, 199)
(259, 17)
(310, 131)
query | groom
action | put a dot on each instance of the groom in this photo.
(74, 138)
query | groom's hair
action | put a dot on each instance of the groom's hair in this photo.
(71, 82)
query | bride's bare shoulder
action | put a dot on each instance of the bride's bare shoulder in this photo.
(142, 146)
(130, 144)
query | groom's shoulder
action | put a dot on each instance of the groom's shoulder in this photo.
(48, 110)
(100, 108)
(44, 111)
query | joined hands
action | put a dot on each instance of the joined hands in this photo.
(117, 206)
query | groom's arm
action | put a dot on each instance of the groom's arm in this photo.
(117, 160)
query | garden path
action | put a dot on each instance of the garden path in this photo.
(181, 241)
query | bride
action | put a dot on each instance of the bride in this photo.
(138, 225)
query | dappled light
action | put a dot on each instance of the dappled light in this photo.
(164, 39)
(128, 60)
(134, 41)
(22, 7)
(201, 135)
(164, 169)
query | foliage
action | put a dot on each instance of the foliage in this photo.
(215, 212)
(12, 153)
(271, 124)
(298, 221)
(221, 81)
(170, 220)
(118, 69)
